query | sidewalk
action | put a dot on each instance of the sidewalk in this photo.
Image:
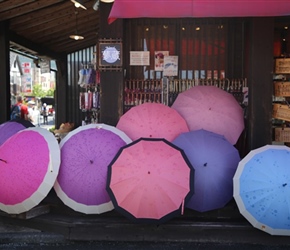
(62, 225)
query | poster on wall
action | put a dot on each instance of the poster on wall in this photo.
(159, 59)
(139, 58)
(170, 66)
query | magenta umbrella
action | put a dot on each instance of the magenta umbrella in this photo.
(29, 164)
(152, 120)
(85, 155)
(197, 8)
(9, 128)
(149, 180)
(212, 109)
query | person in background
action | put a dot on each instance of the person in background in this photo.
(45, 113)
(23, 108)
(30, 111)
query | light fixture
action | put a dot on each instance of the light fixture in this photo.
(75, 36)
(96, 5)
(107, 1)
(79, 3)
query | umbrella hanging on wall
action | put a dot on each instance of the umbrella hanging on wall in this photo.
(76, 35)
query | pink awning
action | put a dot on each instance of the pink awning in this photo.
(198, 8)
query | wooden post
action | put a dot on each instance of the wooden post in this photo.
(260, 82)
(4, 73)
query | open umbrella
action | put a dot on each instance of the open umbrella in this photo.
(29, 164)
(149, 180)
(215, 161)
(9, 128)
(262, 188)
(152, 120)
(212, 109)
(85, 155)
(196, 8)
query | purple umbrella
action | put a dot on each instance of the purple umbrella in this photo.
(215, 161)
(9, 128)
(86, 153)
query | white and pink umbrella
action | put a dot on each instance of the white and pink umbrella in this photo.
(86, 153)
(29, 165)
(152, 120)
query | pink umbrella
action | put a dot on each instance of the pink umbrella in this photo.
(86, 153)
(152, 120)
(149, 180)
(29, 164)
(197, 8)
(212, 109)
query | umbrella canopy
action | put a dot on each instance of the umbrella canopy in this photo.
(149, 180)
(29, 164)
(212, 109)
(197, 8)
(152, 120)
(262, 189)
(215, 161)
(9, 128)
(85, 155)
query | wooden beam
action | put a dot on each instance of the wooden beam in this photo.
(27, 8)
(4, 73)
(40, 17)
(41, 50)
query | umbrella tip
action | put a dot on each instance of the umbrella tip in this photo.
(284, 185)
(205, 164)
(91, 161)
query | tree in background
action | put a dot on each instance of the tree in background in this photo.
(39, 92)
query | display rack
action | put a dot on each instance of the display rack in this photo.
(89, 96)
(281, 95)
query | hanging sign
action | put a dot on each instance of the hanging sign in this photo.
(139, 58)
(44, 66)
(110, 54)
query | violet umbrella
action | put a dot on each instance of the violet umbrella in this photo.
(9, 128)
(149, 180)
(152, 120)
(212, 109)
(29, 165)
(215, 161)
(85, 155)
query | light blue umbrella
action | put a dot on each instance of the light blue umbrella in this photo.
(262, 188)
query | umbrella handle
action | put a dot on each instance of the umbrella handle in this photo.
(182, 207)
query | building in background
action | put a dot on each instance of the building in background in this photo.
(26, 72)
